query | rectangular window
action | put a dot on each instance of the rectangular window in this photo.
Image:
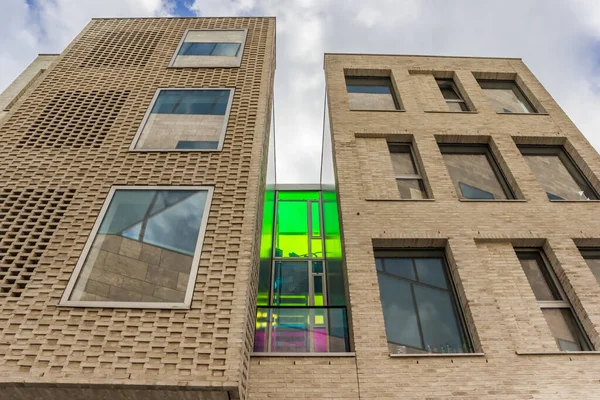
(452, 95)
(506, 96)
(475, 173)
(592, 258)
(143, 250)
(557, 173)
(553, 301)
(210, 48)
(409, 180)
(185, 119)
(371, 93)
(419, 305)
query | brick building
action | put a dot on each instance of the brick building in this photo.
(450, 250)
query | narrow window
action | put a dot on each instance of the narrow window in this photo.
(185, 119)
(371, 93)
(475, 173)
(210, 48)
(592, 258)
(144, 249)
(552, 300)
(419, 305)
(409, 180)
(557, 173)
(452, 95)
(506, 97)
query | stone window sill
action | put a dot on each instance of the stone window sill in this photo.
(392, 111)
(493, 201)
(556, 353)
(303, 354)
(451, 112)
(539, 113)
(399, 199)
(574, 201)
(444, 355)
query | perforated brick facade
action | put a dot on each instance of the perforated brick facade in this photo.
(64, 143)
(516, 355)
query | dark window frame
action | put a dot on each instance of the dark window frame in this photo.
(459, 313)
(380, 81)
(394, 147)
(516, 89)
(459, 148)
(448, 83)
(568, 162)
(557, 290)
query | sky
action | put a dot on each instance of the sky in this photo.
(558, 40)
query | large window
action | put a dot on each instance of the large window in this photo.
(371, 93)
(506, 97)
(557, 173)
(592, 258)
(553, 301)
(185, 120)
(409, 180)
(419, 305)
(475, 173)
(210, 48)
(452, 95)
(144, 249)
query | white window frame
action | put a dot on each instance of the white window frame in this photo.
(216, 65)
(186, 304)
(138, 134)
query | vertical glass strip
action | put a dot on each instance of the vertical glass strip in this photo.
(315, 218)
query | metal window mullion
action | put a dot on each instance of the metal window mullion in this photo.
(553, 304)
(408, 177)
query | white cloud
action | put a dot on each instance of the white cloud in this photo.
(559, 41)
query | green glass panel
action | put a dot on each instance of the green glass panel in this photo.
(292, 195)
(316, 247)
(266, 249)
(336, 290)
(315, 219)
(292, 229)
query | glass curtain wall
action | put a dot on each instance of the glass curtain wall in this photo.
(301, 298)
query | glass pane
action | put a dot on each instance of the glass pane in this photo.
(440, 328)
(506, 97)
(261, 329)
(398, 312)
(292, 229)
(402, 162)
(144, 249)
(535, 270)
(317, 267)
(475, 171)
(226, 49)
(200, 102)
(556, 179)
(411, 189)
(374, 89)
(471, 192)
(379, 264)
(431, 271)
(449, 93)
(197, 145)
(196, 49)
(562, 325)
(594, 264)
(293, 195)
(315, 219)
(290, 285)
(400, 266)
(457, 106)
(316, 248)
(290, 332)
(318, 291)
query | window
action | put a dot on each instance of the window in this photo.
(210, 48)
(475, 173)
(506, 97)
(185, 119)
(143, 250)
(557, 173)
(552, 300)
(592, 258)
(419, 304)
(371, 93)
(452, 95)
(409, 181)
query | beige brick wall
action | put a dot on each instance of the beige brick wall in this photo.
(64, 144)
(501, 311)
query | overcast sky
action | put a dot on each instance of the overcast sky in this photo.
(558, 40)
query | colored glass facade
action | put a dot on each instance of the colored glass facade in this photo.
(301, 297)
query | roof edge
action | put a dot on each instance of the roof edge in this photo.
(422, 55)
(175, 17)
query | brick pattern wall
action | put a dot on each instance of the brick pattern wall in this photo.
(203, 349)
(501, 312)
